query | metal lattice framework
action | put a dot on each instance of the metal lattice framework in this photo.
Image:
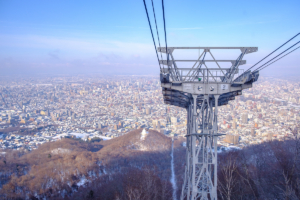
(201, 89)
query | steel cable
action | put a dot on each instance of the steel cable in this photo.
(163, 7)
(156, 28)
(272, 52)
(257, 69)
(279, 58)
(152, 33)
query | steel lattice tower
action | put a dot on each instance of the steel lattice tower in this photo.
(201, 89)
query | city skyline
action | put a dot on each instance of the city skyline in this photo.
(38, 110)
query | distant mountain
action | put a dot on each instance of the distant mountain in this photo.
(67, 167)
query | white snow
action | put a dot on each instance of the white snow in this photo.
(173, 178)
(103, 137)
(60, 151)
(232, 148)
(144, 134)
(58, 137)
(80, 135)
(82, 181)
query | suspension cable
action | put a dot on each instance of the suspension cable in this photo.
(152, 33)
(163, 7)
(280, 58)
(156, 29)
(257, 69)
(272, 52)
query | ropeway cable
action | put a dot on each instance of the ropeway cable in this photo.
(163, 8)
(156, 29)
(279, 58)
(272, 52)
(152, 33)
(257, 69)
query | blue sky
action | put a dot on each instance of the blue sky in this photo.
(113, 37)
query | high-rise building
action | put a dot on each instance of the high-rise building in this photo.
(234, 139)
(259, 116)
(69, 113)
(116, 127)
(158, 125)
(148, 111)
(229, 118)
(47, 112)
(154, 123)
(120, 125)
(245, 118)
(174, 120)
(252, 132)
(168, 120)
(270, 135)
(234, 124)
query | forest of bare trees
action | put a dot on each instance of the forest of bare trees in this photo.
(59, 169)
(266, 171)
(130, 168)
(270, 170)
(128, 184)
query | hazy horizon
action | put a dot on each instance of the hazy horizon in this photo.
(113, 38)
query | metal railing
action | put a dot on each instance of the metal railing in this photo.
(202, 75)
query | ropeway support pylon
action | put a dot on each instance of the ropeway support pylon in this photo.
(201, 89)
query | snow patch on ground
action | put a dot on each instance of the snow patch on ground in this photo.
(144, 134)
(80, 135)
(103, 137)
(141, 147)
(60, 151)
(138, 146)
(173, 178)
(82, 181)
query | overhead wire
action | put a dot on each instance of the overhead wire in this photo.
(280, 58)
(164, 18)
(272, 52)
(257, 69)
(151, 33)
(156, 28)
(163, 8)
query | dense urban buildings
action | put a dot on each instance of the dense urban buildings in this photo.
(38, 110)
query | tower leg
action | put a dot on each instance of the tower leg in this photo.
(200, 180)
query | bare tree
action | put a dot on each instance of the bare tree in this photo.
(134, 194)
(227, 177)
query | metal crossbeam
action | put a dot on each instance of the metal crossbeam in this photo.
(164, 62)
(177, 73)
(171, 49)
